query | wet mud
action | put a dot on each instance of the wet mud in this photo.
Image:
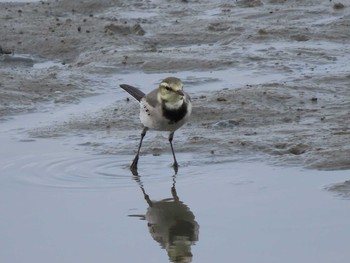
(56, 53)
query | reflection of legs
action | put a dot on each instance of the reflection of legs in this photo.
(174, 193)
(146, 196)
(133, 166)
(173, 189)
(137, 178)
(171, 136)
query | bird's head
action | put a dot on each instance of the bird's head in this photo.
(171, 90)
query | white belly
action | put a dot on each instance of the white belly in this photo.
(152, 118)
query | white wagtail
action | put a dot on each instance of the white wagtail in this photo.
(166, 108)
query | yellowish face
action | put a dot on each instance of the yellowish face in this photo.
(170, 90)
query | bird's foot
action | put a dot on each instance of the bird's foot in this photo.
(176, 167)
(133, 166)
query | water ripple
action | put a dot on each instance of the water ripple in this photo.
(60, 170)
(69, 170)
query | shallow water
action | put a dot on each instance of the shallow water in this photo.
(62, 200)
(60, 204)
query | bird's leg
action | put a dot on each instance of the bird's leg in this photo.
(175, 165)
(133, 166)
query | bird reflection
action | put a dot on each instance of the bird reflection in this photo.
(171, 224)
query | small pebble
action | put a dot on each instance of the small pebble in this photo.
(338, 6)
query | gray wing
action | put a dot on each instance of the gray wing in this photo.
(151, 98)
(135, 92)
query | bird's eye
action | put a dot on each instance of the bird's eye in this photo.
(168, 88)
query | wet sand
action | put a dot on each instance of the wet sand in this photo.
(300, 118)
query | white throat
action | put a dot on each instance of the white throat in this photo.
(173, 105)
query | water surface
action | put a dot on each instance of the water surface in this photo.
(64, 205)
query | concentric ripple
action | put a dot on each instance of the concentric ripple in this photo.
(82, 171)
(77, 171)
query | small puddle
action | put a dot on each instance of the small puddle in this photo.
(27, 60)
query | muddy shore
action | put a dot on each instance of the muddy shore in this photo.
(300, 119)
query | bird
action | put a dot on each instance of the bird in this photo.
(165, 108)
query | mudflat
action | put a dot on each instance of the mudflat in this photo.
(293, 107)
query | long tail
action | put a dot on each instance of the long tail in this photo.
(135, 92)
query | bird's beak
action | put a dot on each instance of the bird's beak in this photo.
(180, 92)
